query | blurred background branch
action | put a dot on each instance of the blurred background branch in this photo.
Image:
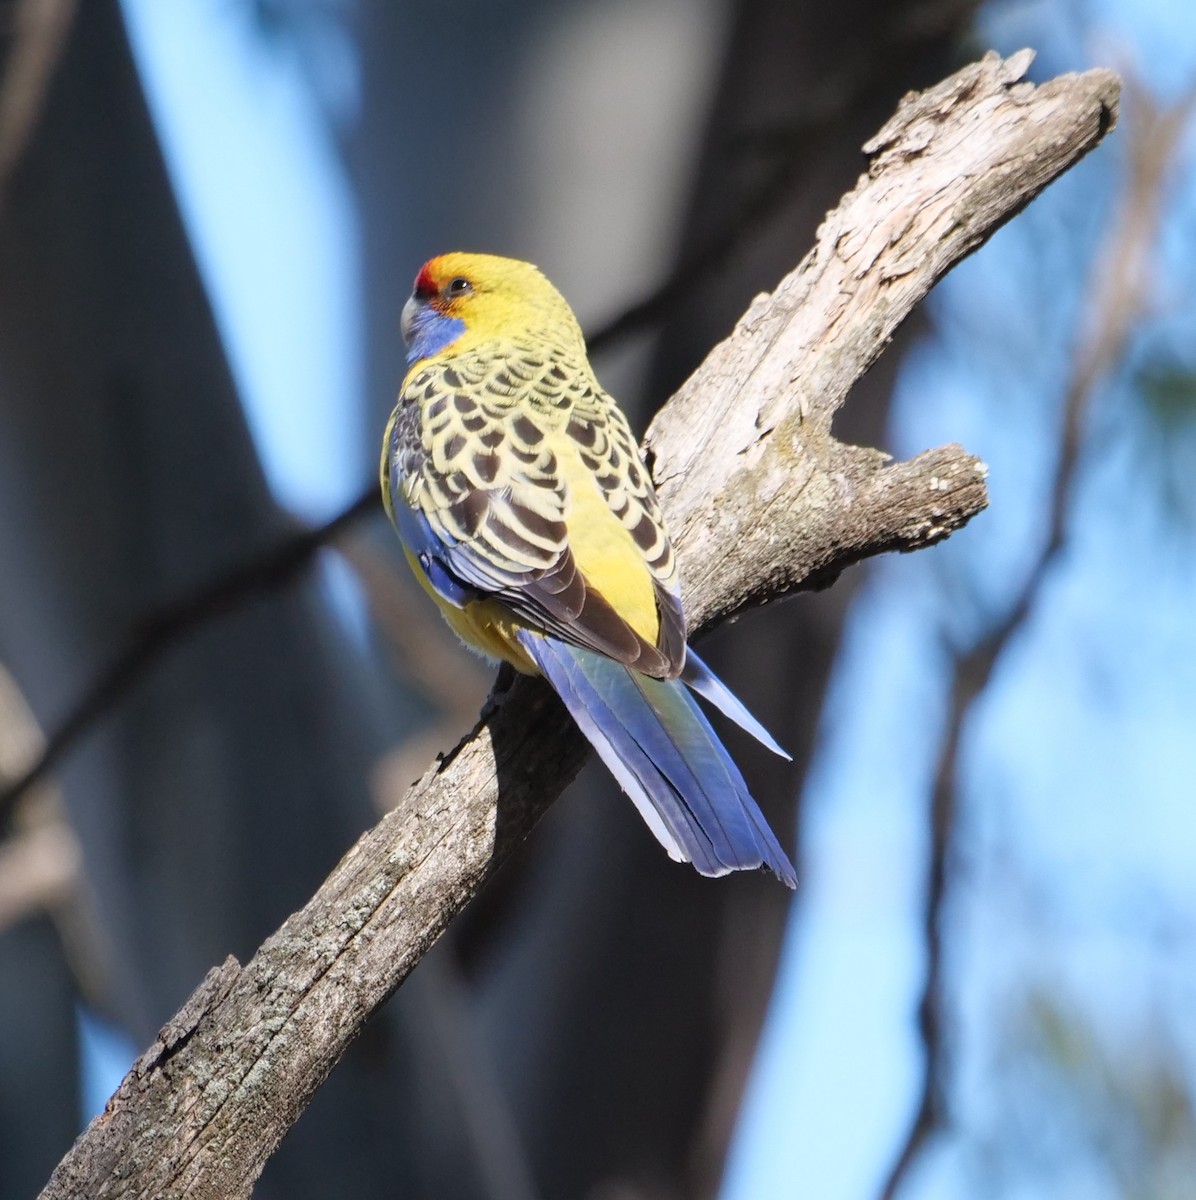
(154, 635)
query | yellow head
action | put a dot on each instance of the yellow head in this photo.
(460, 301)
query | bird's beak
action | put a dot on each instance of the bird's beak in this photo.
(407, 321)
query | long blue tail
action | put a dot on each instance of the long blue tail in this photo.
(660, 747)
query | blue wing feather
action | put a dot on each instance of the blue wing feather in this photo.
(433, 555)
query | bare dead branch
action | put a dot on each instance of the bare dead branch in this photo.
(762, 500)
(1118, 297)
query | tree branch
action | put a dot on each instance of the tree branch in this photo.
(762, 501)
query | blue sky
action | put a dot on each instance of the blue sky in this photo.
(1079, 760)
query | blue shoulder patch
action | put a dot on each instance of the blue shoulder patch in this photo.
(432, 555)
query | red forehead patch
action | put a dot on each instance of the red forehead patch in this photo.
(425, 281)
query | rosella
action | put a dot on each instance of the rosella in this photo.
(528, 515)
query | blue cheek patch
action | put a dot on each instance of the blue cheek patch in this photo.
(431, 333)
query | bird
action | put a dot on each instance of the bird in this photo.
(528, 515)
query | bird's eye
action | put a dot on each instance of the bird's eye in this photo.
(459, 286)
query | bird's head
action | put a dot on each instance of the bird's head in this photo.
(465, 299)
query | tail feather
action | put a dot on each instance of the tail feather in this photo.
(706, 683)
(658, 744)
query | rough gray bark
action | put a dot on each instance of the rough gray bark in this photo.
(762, 500)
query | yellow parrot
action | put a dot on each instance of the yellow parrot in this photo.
(527, 514)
